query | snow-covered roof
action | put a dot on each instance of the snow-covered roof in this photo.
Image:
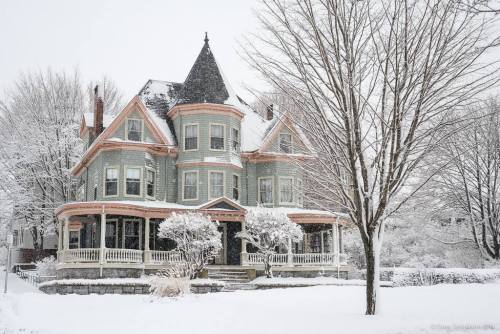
(89, 119)
(158, 97)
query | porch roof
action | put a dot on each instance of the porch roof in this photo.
(231, 211)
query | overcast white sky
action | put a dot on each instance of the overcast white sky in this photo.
(130, 41)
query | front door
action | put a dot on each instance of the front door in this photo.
(131, 233)
(221, 258)
(111, 239)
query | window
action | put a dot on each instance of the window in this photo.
(300, 193)
(235, 139)
(133, 182)
(111, 182)
(216, 182)
(150, 183)
(236, 187)
(266, 190)
(286, 193)
(190, 137)
(74, 239)
(216, 136)
(190, 191)
(285, 143)
(134, 129)
(131, 234)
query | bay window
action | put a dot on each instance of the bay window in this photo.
(111, 182)
(236, 187)
(190, 137)
(190, 186)
(265, 190)
(217, 136)
(133, 182)
(150, 183)
(286, 191)
(216, 183)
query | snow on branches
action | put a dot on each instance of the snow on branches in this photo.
(268, 229)
(196, 237)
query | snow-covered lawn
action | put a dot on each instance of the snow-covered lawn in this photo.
(471, 308)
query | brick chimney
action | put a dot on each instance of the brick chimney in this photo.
(270, 114)
(98, 111)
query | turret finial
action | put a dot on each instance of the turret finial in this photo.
(206, 37)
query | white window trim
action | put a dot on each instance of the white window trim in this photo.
(142, 128)
(197, 185)
(117, 182)
(272, 190)
(223, 183)
(279, 190)
(141, 181)
(232, 139)
(210, 136)
(197, 137)
(239, 187)
(154, 182)
(291, 142)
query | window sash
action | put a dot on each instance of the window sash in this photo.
(133, 182)
(216, 137)
(235, 135)
(236, 187)
(150, 183)
(134, 129)
(285, 143)
(191, 137)
(111, 182)
(266, 190)
(286, 194)
(190, 185)
(216, 184)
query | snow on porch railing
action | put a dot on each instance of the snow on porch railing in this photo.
(123, 255)
(79, 255)
(313, 258)
(297, 259)
(159, 257)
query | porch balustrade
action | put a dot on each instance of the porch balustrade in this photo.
(79, 255)
(121, 255)
(307, 259)
(159, 257)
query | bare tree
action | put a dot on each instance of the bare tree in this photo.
(374, 81)
(470, 180)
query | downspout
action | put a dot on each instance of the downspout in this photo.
(86, 184)
(166, 178)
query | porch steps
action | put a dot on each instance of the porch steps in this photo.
(239, 286)
(229, 275)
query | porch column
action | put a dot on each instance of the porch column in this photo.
(334, 241)
(102, 244)
(290, 254)
(66, 234)
(243, 255)
(147, 253)
(60, 235)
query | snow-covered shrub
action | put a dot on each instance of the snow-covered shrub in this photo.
(266, 230)
(170, 283)
(196, 237)
(432, 276)
(46, 266)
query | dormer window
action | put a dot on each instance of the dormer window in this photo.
(285, 143)
(217, 137)
(190, 137)
(235, 139)
(134, 129)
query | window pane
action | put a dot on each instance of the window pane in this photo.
(111, 184)
(235, 139)
(266, 190)
(216, 137)
(191, 137)
(216, 185)
(285, 143)
(236, 187)
(150, 183)
(190, 185)
(133, 186)
(134, 129)
(286, 190)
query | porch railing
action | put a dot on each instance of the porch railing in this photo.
(79, 255)
(123, 255)
(305, 259)
(159, 257)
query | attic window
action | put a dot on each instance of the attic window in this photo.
(134, 129)
(285, 143)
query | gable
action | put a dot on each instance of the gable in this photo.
(223, 203)
(121, 130)
(300, 143)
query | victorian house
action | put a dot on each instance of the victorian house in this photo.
(191, 146)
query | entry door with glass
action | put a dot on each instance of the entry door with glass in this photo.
(221, 258)
(131, 233)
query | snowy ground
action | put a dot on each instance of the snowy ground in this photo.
(471, 308)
